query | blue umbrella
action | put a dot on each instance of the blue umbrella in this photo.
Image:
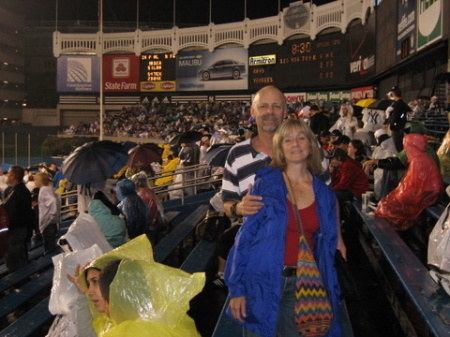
(94, 162)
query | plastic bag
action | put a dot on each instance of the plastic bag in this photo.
(443, 154)
(146, 291)
(439, 243)
(63, 326)
(83, 233)
(420, 187)
(63, 293)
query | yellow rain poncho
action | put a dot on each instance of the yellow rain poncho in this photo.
(146, 298)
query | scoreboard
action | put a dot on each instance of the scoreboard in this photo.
(158, 67)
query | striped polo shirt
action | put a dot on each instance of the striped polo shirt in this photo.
(241, 165)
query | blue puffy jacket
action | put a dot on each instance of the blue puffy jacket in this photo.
(256, 259)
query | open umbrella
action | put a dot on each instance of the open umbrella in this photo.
(186, 137)
(381, 104)
(217, 154)
(94, 162)
(143, 155)
(129, 145)
(364, 103)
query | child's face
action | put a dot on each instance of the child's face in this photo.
(93, 277)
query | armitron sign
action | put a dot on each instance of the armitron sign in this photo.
(262, 60)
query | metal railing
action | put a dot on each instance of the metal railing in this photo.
(186, 181)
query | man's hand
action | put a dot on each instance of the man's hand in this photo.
(250, 204)
(238, 309)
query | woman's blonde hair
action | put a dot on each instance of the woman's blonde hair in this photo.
(289, 125)
(44, 176)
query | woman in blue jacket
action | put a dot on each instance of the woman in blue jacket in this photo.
(260, 271)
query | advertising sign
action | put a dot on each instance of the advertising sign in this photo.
(362, 93)
(154, 86)
(295, 97)
(78, 73)
(223, 69)
(406, 29)
(360, 52)
(429, 22)
(120, 73)
(300, 63)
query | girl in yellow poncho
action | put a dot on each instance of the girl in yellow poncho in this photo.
(146, 299)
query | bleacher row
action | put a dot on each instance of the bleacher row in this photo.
(438, 126)
(399, 259)
(421, 306)
(24, 294)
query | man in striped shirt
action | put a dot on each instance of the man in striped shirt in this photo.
(245, 158)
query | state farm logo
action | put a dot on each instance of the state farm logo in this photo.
(167, 85)
(149, 86)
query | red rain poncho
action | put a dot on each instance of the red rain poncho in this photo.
(420, 187)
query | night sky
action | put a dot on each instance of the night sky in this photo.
(196, 12)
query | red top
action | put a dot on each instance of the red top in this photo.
(310, 223)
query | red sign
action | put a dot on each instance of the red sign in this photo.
(167, 85)
(120, 73)
(362, 93)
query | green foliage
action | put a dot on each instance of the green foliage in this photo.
(55, 146)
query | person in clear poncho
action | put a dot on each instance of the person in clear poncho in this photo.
(145, 298)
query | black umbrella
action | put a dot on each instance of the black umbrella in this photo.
(94, 162)
(186, 137)
(129, 145)
(217, 154)
(357, 111)
(381, 104)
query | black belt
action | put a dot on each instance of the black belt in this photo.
(288, 271)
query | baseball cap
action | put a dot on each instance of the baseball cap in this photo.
(343, 139)
(336, 133)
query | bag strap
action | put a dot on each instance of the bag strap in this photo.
(293, 203)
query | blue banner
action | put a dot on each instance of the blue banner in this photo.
(78, 73)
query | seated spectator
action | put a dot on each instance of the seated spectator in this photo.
(420, 187)
(325, 140)
(348, 178)
(341, 143)
(154, 306)
(133, 208)
(356, 151)
(107, 216)
(170, 164)
(373, 119)
(366, 136)
(394, 166)
(49, 204)
(385, 149)
(150, 198)
(347, 122)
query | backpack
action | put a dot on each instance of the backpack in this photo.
(4, 228)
